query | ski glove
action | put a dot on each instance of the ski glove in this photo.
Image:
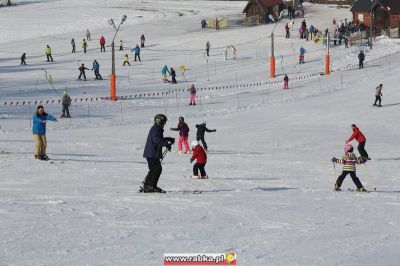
(334, 159)
(168, 146)
(191, 161)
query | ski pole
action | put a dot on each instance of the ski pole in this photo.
(369, 176)
(163, 155)
(334, 173)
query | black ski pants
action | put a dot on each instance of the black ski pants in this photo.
(202, 141)
(360, 64)
(73, 49)
(102, 48)
(378, 99)
(208, 52)
(361, 149)
(137, 56)
(155, 170)
(49, 58)
(84, 75)
(197, 167)
(65, 110)
(356, 181)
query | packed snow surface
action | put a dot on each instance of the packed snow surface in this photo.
(270, 195)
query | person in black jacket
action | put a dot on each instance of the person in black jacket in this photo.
(361, 58)
(173, 75)
(82, 69)
(23, 58)
(154, 155)
(201, 129)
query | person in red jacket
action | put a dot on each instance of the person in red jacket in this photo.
(102, 44)
(201, 156)
(361, 141)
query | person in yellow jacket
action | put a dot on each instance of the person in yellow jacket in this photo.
(48, 53)
(126, 60)
(84, 45)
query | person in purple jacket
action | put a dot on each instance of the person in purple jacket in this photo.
(39, 132)
(183, 129)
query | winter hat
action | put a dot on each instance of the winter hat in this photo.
(40, 107)
(65, 93)
(194, 143)
(203, 122)
(348, 148)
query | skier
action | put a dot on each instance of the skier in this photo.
(164, 72)
(84, 45)
(361, 58)
(173, 75)
(121, 46)
(153, 154)
(23, 58)
(201, 159)
(183, 129)
(378, 94)
(102, 44)
(126, 60)
(82, 69)
(40, 119)
(201, 130)
(286, 82)
(88, 35)
(48, 53)
(73, 45)
(361, 141)
(203, 24)
(208, 48)
(301, 57)
(349, 161)
(192, 90)
(287, 29)
(96, 69)
(136, 50)
(66, 102)
(142, 40)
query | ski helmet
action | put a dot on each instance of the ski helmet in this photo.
(203, 122)
(348, 148)
(194, 143)
(160, 119)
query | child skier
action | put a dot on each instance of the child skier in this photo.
(183, 129)
(192, 91)
(200, 155)
(201, 130)
(301, 56)
(349, 160)
(126, 60)
(164, 71)
(286, 82)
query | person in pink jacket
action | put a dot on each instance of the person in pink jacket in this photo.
(192, 91)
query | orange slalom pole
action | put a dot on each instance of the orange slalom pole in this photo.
(272, 67)
(113, 90)
(327, 63)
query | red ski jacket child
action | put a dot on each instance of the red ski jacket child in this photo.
(199, 154)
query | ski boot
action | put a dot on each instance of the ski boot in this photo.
(44, 158)
(362, 189)
(195, 177)
(204, 177)
(158, 190)
(337, 188)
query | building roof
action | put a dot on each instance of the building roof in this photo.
(264, 4)
(392, 5)
(366, 5)
(362, 6)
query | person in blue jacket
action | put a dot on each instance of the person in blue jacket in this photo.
(164, 72)
(39, 132)
(96, 69)
(136, 50)
(301, 56)
(153, 154)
